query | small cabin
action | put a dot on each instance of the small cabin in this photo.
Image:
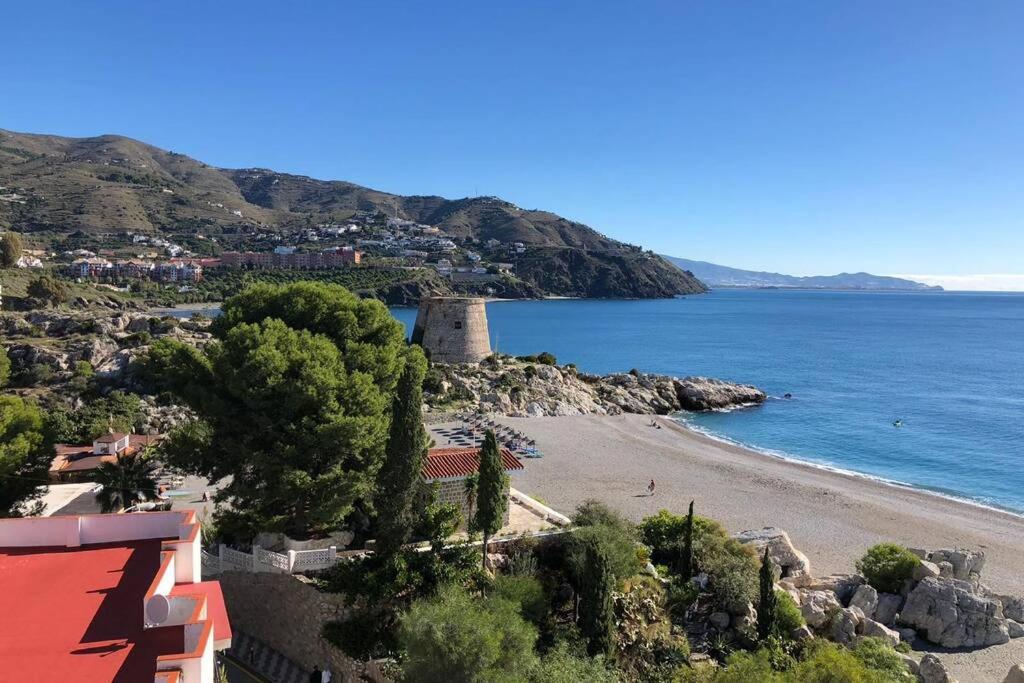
(449, 467)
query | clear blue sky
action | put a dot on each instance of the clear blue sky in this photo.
(805, 137)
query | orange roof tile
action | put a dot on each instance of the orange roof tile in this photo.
(446, 463)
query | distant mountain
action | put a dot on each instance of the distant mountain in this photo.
(57, 190)
(714, 275)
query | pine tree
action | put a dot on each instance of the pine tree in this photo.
(686, 561)
(403, 460)
(767, 619)
(597, 619)
(491, 499)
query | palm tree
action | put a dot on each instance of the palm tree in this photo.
(126, 481)
(469, 491)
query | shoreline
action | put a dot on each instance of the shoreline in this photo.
(837, 470)
(832, 517)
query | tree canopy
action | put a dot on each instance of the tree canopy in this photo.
(10, 249)
(407, 447)
(294, 398)
(25, 456)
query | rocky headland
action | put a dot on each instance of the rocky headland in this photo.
(519, 387)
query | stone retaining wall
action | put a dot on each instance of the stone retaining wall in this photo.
(288, 614)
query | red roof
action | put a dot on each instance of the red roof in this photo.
(75, 614)
(447, 463)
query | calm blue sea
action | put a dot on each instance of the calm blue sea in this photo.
(950, 365)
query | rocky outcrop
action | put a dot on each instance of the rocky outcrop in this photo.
(520, 388)
(818, 607)
(790, 561)
(949, 612)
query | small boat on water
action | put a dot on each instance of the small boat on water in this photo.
(898, 422)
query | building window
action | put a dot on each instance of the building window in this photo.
(458, 324)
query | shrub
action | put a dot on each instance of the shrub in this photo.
(454, 637)
(788, 617)
(617, 543)
(545, 358)
(887, 565)
(526, 593)
(561, 666)
(593, 512)
(877, 655)
(83, 368)
(663, 534)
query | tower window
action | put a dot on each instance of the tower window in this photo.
(458, 324)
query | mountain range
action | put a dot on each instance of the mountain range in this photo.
(53, 188)
(715, 275)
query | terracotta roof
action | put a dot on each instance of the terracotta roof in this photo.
(446, 463)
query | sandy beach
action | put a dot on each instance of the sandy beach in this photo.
(830, 516)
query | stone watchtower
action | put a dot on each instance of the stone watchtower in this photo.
(452, 329)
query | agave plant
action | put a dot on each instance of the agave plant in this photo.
(126, 481)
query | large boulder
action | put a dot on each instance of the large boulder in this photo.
(932, 670)
(950, 613)
(865, 598)
(888, 607)
(791, 561)
(818, 607)
(926, 569)
(845, 625)
(872, 629)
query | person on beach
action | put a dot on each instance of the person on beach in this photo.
(316, 676)
(650, 488)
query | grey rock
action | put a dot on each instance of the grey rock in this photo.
(818, 607)
(932, 670)
(720, 620)
(843, 585)
(888, 607)
(950, 613)
(1014, 628)
(925, 570)
(791, 561)
(967, 564)
(1015, 675)
(945, 569)
(907, 635)
(872, 629)
(865, 598)
(704, 393)
(845, 625)
(909, 662)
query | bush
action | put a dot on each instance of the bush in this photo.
(593, 512)
(877, 655)
(526, 593)
(617, 543)
(646, 648)
(788, 617)
(48, 289)
(454, 637)
(663, 534)
(561, 666)
(887, 566)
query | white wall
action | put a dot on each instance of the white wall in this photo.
(39, 532)
(129, 527)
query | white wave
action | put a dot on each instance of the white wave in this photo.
(682, 420)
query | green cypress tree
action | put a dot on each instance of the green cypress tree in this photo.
(597, 619)
(767, 618)
(400, 474)
(491, 499)
(686, 561)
